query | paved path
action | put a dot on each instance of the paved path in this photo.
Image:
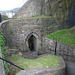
(2, 72)
(70, 68)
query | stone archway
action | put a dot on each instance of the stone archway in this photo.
(32, 43)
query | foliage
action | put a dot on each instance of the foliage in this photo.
(2, 44)
(2, 41)
(66, 36)
(33, 16)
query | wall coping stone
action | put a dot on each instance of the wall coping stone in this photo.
(3, 22)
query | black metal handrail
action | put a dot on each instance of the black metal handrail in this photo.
(11, 63)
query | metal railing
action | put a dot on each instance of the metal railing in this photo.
(11, 63)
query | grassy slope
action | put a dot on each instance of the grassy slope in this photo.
(42, 62)
(66, 36)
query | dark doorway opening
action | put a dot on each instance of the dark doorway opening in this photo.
(32, 43)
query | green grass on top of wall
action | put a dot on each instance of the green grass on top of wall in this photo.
(42, 62)
(66, 36)
(47, 61)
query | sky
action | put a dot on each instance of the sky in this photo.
(11, 4)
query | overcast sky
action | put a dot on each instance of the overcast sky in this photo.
(11, 4)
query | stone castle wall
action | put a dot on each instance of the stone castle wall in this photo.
(16, 34)
(23, 25)
(16, 31)
(31, 7)
(47, 24)
(59, 9)
(66, 51)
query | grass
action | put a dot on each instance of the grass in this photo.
(42, 62)
(66, 36)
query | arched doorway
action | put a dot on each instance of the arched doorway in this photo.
(32, 43)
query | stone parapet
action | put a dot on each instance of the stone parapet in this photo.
(66, 51)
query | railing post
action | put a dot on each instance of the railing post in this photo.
(55, 48)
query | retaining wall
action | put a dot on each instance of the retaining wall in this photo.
(66, 51)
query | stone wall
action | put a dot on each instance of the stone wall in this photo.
(3, 24)
(59, 9)
(47, 24)
(45, 71)
(2, 71)
(66, 51)
(31, 7)
(15, 31)
(17, 34)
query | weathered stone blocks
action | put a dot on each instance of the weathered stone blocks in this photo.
(66, 51)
